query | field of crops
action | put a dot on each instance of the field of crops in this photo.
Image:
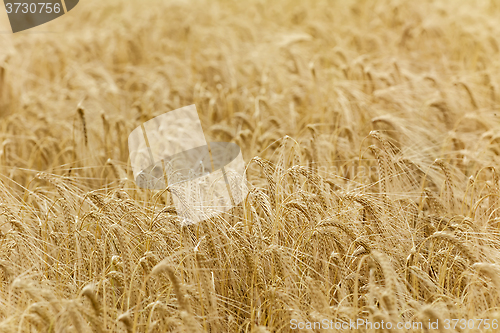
(371, 135)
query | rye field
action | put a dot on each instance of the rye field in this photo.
(371, 136)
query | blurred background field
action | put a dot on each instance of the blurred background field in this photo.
(370, 131)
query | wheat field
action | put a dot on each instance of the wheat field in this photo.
(370, 132)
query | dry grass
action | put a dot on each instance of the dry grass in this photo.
(370, 129)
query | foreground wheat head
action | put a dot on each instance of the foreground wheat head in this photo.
(370, 132)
